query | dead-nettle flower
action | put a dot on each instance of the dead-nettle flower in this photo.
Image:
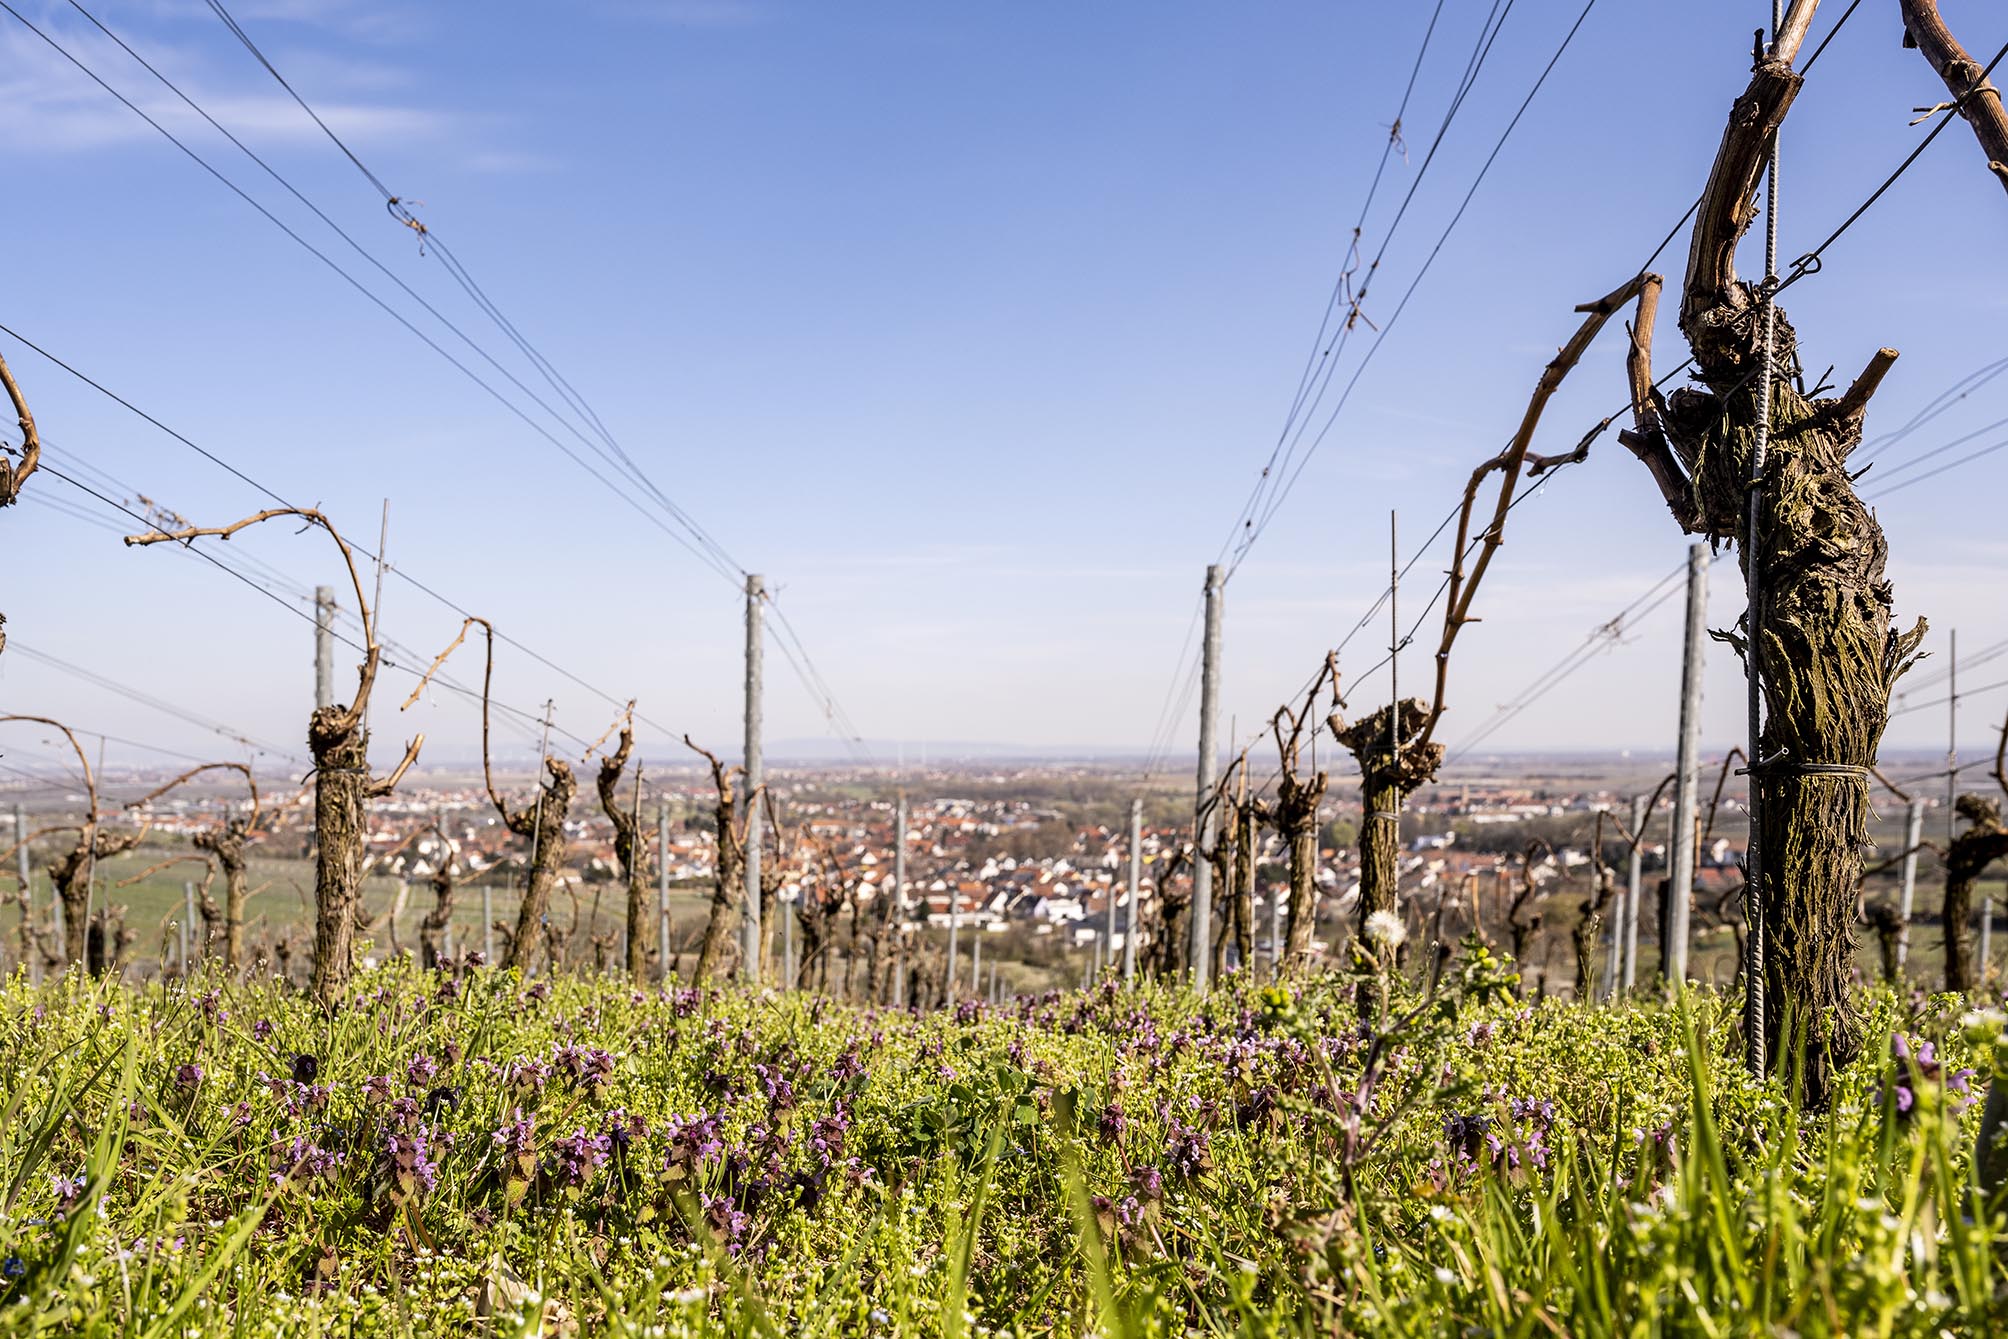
(517, 1135)
(302, 1158)
(1385, 928)
(527, 1075)
(726, 1220)
(1466, 1135)
(586, 1066)
(696, 1140)
(826, 1135)
(1920, 1076)
(1185, 1150)
(412, 1167)
(622, 1130)
(576, 1156)
(848, 1065)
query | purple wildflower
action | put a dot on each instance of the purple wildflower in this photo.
(1185, 1150)
(302, 1158)
(780, 1092)
(413, 1171)
(1467, 1134)
(586, 1066)
(518, 1135)
(848, 1065)
(527, 1076)
(69, 1189)
(726, 1220)
(696, 1141)
(576, 1157)
(826, 1136)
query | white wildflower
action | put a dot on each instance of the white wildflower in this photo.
(1385, 929)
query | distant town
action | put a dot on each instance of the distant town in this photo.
(1032, 856)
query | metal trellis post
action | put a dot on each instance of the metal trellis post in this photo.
(756, 594)
(1208, 811)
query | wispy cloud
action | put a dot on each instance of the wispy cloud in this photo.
(56, 108)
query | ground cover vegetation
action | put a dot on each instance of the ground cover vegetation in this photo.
(460, 1150)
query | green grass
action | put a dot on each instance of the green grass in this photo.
(1133, 1164)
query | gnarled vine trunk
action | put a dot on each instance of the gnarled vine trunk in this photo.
(1302, 910)
(714, 953)
(226, 844)
(1524, 913)
(108, 941)
(812, 916)
(1174, 916)
(1971, 852)
(728, 881)
(1388, 775)
(1296, 818)
(630, 850)
(432, 929)
(1887, 922)
(71, 876)
(341, 783)
(1823, 643)
(1246, 831)
(542, 823)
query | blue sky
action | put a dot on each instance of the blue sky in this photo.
(968, 325)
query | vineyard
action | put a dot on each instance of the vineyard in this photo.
(1370, 1014)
